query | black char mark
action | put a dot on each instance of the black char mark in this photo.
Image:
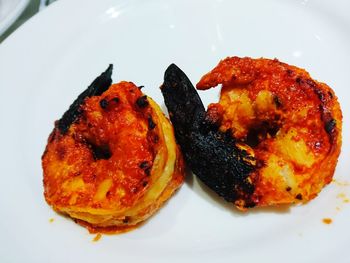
(330, 126)
(326, 115)
(142, 102)
(100, 151)
(212, 155)
(96, 88)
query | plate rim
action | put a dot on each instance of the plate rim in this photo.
(12, 16)
(14, 36)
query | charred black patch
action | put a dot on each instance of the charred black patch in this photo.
(288, 188)
(249, 204)
(104, 104)
(142, 102)
(273, 129)
(330, 126)
(253, 139)
(320, 95)
(99, 152)
(116, 99)
(299, 197)
(211, 154)
(96, 88)
(289, 72)
(140, 87)
(126, 220)
(144, 183)
(277, 101)
(148, 171)
(144, 165)
(260, 132)
(151, 124)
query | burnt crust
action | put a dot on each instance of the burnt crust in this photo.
(325, 99)
(96, 88)
(211, 154)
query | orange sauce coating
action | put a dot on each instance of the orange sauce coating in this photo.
(117, 124)
(97, 237)
(288, 121)
(327, 221)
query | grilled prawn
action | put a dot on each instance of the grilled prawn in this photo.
(273, 138)
(111, 161)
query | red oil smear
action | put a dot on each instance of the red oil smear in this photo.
(344, 197)
(109, 230)
(341, 183)
(327, 221)
(97, 237)
(341, 195)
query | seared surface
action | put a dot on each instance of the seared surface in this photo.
(111, 145)
(96, 88)
(111, 160)
(211, 154)
(273, 138)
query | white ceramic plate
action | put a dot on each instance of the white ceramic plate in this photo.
(10, 10)
(52, 58)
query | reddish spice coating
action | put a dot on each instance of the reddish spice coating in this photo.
(115, 163)
(289, 122)
(112, 123)
(97, 237)
(327, 221)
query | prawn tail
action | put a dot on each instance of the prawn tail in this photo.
(185, 107)
(96, 88)
(211, 154)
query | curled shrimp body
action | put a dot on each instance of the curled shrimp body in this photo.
(285, 125)
(111, 161)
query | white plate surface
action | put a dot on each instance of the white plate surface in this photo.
(10, 10)
(46, 63)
